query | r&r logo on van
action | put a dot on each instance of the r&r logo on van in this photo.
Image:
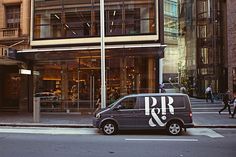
(155, 111)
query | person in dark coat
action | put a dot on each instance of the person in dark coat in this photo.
(226, 102)
(234, 103)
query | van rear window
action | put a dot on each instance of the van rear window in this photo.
(179, 101)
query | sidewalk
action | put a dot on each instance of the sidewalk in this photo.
(208, 115)
(47, 119)
(73, 119)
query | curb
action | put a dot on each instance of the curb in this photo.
(47, 125)
(91, 126)
(214, 126)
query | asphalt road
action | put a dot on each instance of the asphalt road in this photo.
(88, 142)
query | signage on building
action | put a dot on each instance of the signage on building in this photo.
(9, 53)
(28, 72)
(24, 71)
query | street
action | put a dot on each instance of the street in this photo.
(89, 142)
(214, 135)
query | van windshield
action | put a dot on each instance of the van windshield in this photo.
(111, 105)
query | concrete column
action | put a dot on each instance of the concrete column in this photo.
(36, 112)
(25, 14)
(160, 72)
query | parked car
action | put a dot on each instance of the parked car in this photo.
(146, 112)
(171, 87)
(46, 96)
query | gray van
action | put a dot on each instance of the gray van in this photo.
(170, 111)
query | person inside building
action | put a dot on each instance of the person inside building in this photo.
(161, 86)
(98, 103)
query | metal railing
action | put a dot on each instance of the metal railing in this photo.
(9, 33)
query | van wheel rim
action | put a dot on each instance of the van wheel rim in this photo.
(174, 129)
(109, 128)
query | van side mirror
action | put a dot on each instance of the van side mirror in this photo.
(118, 107)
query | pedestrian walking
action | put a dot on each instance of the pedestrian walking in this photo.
(208, 93)
(183, 89)
(161, 86)
(234, 103)
(226, 102)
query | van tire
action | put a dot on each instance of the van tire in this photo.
(109, 128)
(174, 128)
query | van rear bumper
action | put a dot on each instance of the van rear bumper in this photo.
(188, 125)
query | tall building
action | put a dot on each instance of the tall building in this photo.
(14, 35)
(231, 44)
(64, 54)
(203, 25)
(172, 59)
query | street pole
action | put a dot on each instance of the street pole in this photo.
(103, 67)
(160, 73)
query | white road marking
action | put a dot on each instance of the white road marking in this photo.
(163, 139)
(52, 131)
(208, 112)
(206, 108)
(204, 132)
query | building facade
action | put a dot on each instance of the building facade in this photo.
(64, 58)
(58, 42)
(14, 35)
(171, 37)
(231, 44)
(204, 27)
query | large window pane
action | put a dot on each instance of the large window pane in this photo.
(130, 17)
(139, 17)
(73, 19)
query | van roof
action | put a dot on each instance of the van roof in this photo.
(158, 94)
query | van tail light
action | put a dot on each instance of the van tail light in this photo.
(190, 114)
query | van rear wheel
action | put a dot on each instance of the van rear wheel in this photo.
(109, 128)
(174, 128)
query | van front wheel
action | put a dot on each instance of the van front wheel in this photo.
(174, 128)
(109, 128)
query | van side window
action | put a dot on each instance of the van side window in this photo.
(129, 103)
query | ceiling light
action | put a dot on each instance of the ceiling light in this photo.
(57, 16)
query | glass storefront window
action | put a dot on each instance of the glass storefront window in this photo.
(73, 19)
(75, 83)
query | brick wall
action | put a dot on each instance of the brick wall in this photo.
(231, 38)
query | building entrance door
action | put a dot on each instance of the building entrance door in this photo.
(89, 83)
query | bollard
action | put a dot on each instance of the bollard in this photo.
(36, 111)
